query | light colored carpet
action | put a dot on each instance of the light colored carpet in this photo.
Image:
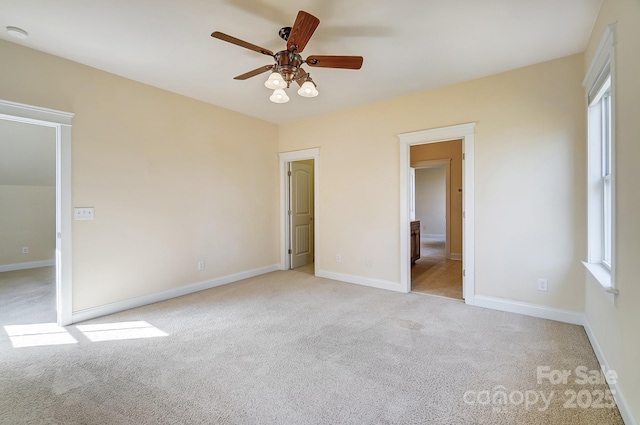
(290, 348)
(28, 296)
(434, 274)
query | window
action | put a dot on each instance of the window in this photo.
(604, 106)
(600, 85)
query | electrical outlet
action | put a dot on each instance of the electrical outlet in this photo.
(200, 265)
(338, 258)
(543, 285)
(25, 249)
(368, 263)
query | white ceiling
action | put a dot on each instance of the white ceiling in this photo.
(408, 45)
(27, 154)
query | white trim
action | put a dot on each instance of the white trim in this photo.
(441, 134)
(618, 395)
(61, 121)
(20, 112)
(27, 265)
(549, 313)
(602, 57)
(433, 236)
(600, 273)
(360, 280)
(285, 158)
(466, 133)
(116, 307)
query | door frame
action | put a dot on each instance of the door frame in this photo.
(61, 122)
(285, 158)
(446, 163)
(466, 132)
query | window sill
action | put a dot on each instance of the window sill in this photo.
(603, 276)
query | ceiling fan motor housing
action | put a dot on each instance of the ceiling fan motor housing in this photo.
(287, 64)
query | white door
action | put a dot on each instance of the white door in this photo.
(301, 207)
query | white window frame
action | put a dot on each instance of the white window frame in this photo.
(601, 170)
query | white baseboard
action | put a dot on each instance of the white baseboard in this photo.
(360, 280)
(559, 315)
(432, 236)
(28, 265)
(621, 401)
(103, 310)
(455, 256)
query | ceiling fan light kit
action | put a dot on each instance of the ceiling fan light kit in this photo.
(288, 63)
(279, 96)
(308, 89)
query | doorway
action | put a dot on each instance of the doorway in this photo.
(465, 133)
(60, 123)
(438, 210)
(27, 223)
(299, 212)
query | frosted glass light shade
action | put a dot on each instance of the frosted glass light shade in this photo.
(275, 81)
(308, 89)
(279, 96)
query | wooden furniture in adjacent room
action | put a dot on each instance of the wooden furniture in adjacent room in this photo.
(415, 241)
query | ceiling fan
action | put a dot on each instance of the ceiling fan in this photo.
(288, 62)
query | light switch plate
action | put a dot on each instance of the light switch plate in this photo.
(83, 213)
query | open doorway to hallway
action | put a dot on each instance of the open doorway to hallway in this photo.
(438, 216)
(27, 223)
(60, 122)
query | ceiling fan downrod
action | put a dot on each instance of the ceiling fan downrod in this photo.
(284, 33)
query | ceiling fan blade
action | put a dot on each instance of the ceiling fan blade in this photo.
(229, 39)
(345, 62)
(253, 73)
(302, 30)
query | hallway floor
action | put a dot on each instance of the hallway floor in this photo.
(435, 275)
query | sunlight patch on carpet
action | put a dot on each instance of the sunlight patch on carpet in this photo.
(119, 331)
(38, 334)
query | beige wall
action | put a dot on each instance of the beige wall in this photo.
(172, 180)
(27, 192)
(616, 327)
(431, 195)
(529, 223)
(27, 154)
(443, 150)
(27, 218)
